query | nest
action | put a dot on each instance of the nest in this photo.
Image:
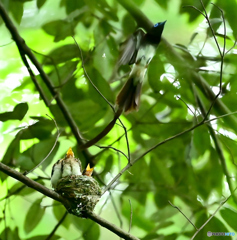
(82, 192)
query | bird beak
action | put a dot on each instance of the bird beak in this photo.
(163, 23)
(88, 168)
(88, 171)
(70, 153)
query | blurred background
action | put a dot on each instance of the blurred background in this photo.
(196, 171)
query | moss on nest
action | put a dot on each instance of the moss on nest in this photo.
(83, 193)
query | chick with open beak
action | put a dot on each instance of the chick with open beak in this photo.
(88, 171)
(66, 166)
(80, 188)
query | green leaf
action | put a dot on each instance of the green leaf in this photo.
(26, 84)
(12, 150)
(21, 189)
(192, 13)
(164, 214)
(138, 182)
(151, 236)
(214, 225)
(41, 129)
(102, 86)
(155, 70)
(34, 155)
(103, 59)
(103, 7)
(204, 169)
(33, 216)
(73, 5)
(171, 236)
(23, 1)
(40, 237)
(107, 166)
(40, 3)
(92, 112)
(201, 139)
(162, 196)
(160, 174)
(230, 217)
(92, 232)
(18, 113)
(58, 211)
(229, 7)
(60, 29)
(63, 54)
(9, 234)
(139, 210)
(163, 4)
(64, 73)
(128, 25)
(16, 8)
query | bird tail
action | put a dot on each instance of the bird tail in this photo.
(128, 98)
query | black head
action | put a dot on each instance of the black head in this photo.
(154, 34)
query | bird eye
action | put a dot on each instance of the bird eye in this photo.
(157, 24)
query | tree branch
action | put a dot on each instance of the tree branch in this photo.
(52, 194)
(175, 59)
(218, 148)
(24, 49)
(209, 219)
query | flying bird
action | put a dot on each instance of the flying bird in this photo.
(137, 51)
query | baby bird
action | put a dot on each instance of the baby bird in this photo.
(66, 166)
(88, 171)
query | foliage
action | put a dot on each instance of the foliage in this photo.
(193, 171)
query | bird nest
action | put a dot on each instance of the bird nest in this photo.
(82, 192)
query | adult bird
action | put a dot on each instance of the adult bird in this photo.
(137, 51)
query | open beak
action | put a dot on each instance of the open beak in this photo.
(88, 171)
(70, 153)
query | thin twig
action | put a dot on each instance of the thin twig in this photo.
(23, 48)
(222, 54)
(107, 101)
(217, 147)
(115, 149)
(53, 63)
(126, 137)
(57, 226)
(209, 219)
(116, 210)
(55, 143)
(88, 77)
(183, 214)
(52, 194)
(148, 151)
(231, 47)
(219, 117)
(188, 107)
(104, 204)
(190, 6)
(13, 193)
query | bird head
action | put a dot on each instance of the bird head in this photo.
(88, 171)
(70, 153)
(154, 34)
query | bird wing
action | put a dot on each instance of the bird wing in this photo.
(130, 47)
